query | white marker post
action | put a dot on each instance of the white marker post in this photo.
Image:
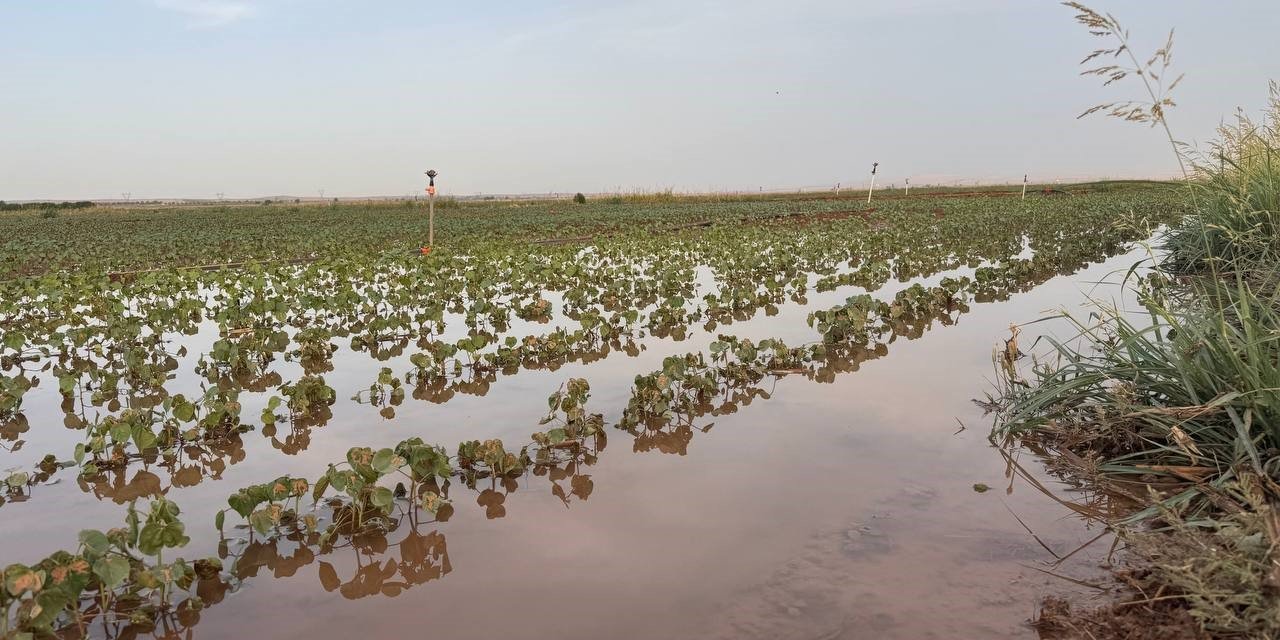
(873, 181)
(908, 192)
(837, 189)
(1024, 186)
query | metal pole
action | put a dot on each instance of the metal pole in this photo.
(873, 181)
(431, 207)
(1024, 186)
(908, 187)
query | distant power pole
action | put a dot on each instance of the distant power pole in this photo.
(126, 195)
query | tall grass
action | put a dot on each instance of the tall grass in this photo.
(1189, 394)
(1238, 220)
(1179, 411)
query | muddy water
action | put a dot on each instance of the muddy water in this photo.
(840, 510)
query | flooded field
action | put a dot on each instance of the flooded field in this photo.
(762, 427)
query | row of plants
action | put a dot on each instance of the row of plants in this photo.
(113, 346)
(111, 340)
(168, 428)
(372, 493)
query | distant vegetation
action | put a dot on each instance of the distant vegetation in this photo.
(30, 206)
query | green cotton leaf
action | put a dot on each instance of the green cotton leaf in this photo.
(95, 541)
(382, 498)
(66, 384)
(261, 521)
(556, 436)
(120, 432)
(219, 519)
(78, 453)
(14, 340)
(174, 537)
(111, 570)
(242, 503)
(183, 410)
(143, 437)
(151, 538)
(383, 461)
(322, 485)
(48, 606)
(338, 479)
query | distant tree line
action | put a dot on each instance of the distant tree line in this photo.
(28, 206)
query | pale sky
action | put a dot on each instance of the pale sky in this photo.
(188, 98)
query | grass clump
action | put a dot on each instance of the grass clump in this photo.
(1239, 199)
(1188, 395)
(1190, 579)
(1224, 571)
(1177, 410)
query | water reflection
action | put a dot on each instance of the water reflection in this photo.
(363, 554)
(385, 561)
(210, 452)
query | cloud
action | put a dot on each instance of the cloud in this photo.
(207, 14)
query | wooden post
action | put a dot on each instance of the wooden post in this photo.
(431, 207)
(873, 181)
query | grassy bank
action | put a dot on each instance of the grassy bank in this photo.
(1178, 411)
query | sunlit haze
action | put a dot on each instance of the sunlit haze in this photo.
(189, 98)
